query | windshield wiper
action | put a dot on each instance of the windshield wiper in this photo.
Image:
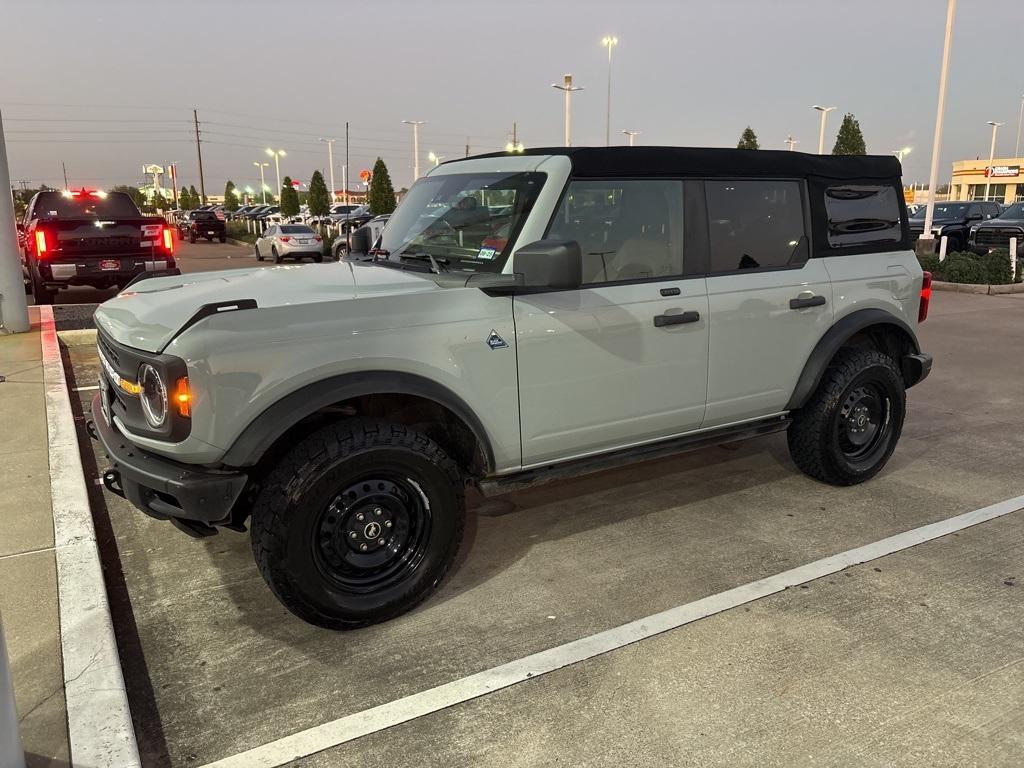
(434, 261)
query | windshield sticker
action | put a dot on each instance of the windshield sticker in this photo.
(487, 253)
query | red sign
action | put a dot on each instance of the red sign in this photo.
(997, 171)
(364, 175)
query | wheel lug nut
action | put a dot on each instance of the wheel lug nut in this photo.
(352, 535)
(363, 547)
(380, 541)
(387, 523)
(378, 511)
(360, 516)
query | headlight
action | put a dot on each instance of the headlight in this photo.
(153, 394)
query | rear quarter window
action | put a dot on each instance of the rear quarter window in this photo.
(861, 214)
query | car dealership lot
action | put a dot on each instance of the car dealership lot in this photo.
(912, 658)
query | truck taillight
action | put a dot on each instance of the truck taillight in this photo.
(926, 297)
(168, 240)
(41, 245)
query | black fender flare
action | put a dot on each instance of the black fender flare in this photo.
(835, 338)
(265, 429)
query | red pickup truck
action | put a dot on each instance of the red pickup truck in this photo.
(90, 237)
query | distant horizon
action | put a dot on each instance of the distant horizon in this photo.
(683, 74)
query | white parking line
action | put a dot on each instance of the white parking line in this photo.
(417, 705)
(86, 389)
(99, 722)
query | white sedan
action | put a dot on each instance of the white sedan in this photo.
(289, 241)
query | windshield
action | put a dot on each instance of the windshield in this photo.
(1015, 211)
(942, 211)
(114, 205)
(296, 229)
(466, 220)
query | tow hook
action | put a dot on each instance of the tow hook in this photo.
(112, 482)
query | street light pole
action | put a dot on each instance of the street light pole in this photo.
(567, 88)
(821, 131)
(330, 162)
(1020, 119)
(415, 146)
(13, 307)
(991, 156)
(933, 174)
(791, 142)
(901, 153)
(632, 135)
(609, 42)
(263, 184)
(277, 154)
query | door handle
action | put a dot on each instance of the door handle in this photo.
(676, 319)
(806, 301)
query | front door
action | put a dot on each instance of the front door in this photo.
(623, 360)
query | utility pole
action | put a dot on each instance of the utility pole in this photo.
(415, 146)
(199, 155)
(345, 179)
(467, 146)
(65, 169)
(632, 136)
(1020, 121)
(821, 131)
(567, 88)
(791, 142)
(330, 162)
(991, 156)
(933, 174)
(13, 307)
(173, 170)
(609, 42)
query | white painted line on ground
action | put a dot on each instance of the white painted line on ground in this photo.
(99, 721)
(90, 388)
(345, 729)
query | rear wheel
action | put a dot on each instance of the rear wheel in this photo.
(192, 237)
(848, 430)
(40, 293)
(358, 523)
(223, 238)
(276, 255)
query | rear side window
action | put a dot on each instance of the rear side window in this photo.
(859, 214)
(755, 224)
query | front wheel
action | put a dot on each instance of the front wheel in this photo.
(849, 428)
(358, 523)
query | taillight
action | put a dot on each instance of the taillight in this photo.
(318, 239)
(183, 397)
(41, 247)
(168, 240)
(285, 238)
(926, 297)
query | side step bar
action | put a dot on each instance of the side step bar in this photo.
(531, 477)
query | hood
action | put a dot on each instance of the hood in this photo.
(919, 223)
(999, 222)
(149, 314)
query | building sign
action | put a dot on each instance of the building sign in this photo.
(1000, 171)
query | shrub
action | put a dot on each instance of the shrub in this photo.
(964, 268)
(236, 231)
(997, 267)
(930, 264)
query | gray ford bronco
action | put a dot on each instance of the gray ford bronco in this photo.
(524, 317)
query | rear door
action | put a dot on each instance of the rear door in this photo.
(623, 360)
(769, 303)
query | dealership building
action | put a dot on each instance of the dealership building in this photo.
(999, 180)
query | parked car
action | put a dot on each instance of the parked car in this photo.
(90, 237)
(199, 224)
(953, 221)
(266, 212)
(627, 305)
(255, 211)
(996, 233)
(289, 241)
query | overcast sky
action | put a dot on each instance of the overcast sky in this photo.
(108, 86)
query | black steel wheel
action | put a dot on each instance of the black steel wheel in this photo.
(848, 430)
(358, 523)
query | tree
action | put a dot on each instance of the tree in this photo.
(133, 192)
(748, 140)
(184, 200)
(230, 197)
(319, 199)
(193, 196)
(289, 198)
(850, 140)
(382, 194)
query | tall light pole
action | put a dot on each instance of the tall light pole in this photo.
(933, 174)
(821, 131)
(277, 155)
(435, 159)
(791, 142)
(991, 156)
(567, 88)
(632, 135)
(1020, 120)
(901, 153)
(609, 42)
(330, 161)
(415, 146)
(263, 184)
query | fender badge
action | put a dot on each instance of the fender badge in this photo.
(494, 341)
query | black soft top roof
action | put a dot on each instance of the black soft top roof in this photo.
(697, 161)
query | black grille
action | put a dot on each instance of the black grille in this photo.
(109, 351)
(998, 237)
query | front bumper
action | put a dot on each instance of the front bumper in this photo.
(193, 498)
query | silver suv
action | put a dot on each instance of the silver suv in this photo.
(526, 317)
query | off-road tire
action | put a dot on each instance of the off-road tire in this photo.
(222, 238)
(815, 441)
(40, 293)
(289, 516)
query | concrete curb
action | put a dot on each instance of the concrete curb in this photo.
(100, 727)
(991, 290)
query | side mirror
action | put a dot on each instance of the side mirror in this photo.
(361, 240)
(552, 264)
(974, 217)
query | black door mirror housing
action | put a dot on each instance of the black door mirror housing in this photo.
(974, 217)
(551, 264)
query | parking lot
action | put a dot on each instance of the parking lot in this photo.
(913, 658)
